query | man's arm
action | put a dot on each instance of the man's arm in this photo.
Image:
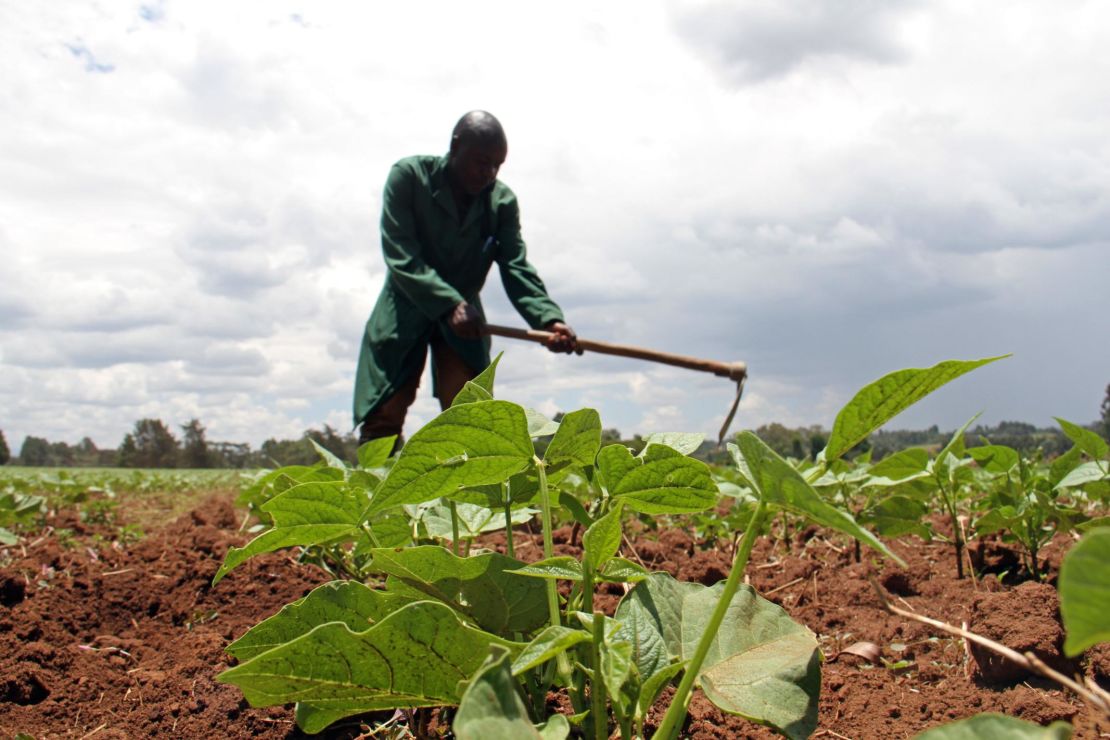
(404, 256)
(523, 285)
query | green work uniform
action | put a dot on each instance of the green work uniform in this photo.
(435, 261)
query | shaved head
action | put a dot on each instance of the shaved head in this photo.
(478, 127)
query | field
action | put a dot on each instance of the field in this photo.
(111, 625)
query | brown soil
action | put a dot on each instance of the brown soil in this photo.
(125, 642)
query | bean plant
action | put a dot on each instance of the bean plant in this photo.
(492, 635)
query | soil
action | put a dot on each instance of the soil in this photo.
(102, 640)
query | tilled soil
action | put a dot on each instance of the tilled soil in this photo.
(99, 640)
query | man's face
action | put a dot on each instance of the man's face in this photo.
(474, 165)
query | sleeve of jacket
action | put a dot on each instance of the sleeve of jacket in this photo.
(522, 282)
(404, 255)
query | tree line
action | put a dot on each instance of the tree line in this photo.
(151, 444)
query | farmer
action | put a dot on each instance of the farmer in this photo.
(445, 221)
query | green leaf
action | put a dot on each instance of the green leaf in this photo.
(619, 570)
(559, 567)
(490, 708)
(762, 665)
(546, 645)
(481, 388)
(664, 485)
(898, 515)
(992, 726)
(574, 506)
(653, 687)
(415, 657)
(577, 441)
(1085, 592)
(603, 538)
(326, 455)
(468, 445)
(483, 587)
(616, 665)
(995, 458)
(885, 398)
(684, 442)
(901, 465)
(1088, 472)
(777, 482)
(539, 425)
(1089, 442)
(307, 514)
(7, 537)
(473, 520)
(349, 602)
(375, 453)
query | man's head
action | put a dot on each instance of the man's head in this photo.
(478, 149)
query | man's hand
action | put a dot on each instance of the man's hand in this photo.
(565, 340)
(465, 321)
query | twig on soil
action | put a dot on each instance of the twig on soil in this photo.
(776, 589)
(832, 547)
(117, 572)
(830, 732)
(815, 599)
(90, 734)
(1093, 695)
(765, 566)
(632, 550)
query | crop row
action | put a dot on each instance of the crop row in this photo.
(491, 635)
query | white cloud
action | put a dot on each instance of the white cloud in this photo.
(193, 231)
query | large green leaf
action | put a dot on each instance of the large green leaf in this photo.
(762, 665)
(415, 657)
(482, 587)
(491, 709)
(1085, 473)
(307, 514)
(663, 482)
(1085, 592)
(1086, 440)
(778, 482)
(895, 516)
(577, 440)
(472, 519)
(471, 444)
(882, 400)
(995, 458)
(991, 726)
(349, 602)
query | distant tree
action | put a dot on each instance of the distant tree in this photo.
(231, 455)
(194, 447)
(786, 442)
(151, 446)
(5, 453)
(1106, 415)
(128, 454)
(34, 451)
(86, 453)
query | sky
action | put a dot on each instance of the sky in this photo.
(828, 191)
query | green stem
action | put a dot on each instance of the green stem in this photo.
(454, 526)
(370, 533)
(597, 685)
(676, 712)
(508, 521)
(561, 659)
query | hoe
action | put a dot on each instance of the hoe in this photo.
(737, 371)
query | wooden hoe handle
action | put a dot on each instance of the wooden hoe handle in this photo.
(737, 371)
(733, 370)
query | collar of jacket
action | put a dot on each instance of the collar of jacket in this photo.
(441, 193)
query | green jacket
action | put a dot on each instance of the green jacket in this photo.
(433, 264)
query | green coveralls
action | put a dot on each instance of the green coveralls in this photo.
(433, 264)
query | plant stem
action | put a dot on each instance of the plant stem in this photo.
(561, 659)
(676, 712)
(597, 685)
(454, 526)
(508, 521)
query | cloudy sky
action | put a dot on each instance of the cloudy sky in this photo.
(189, 197)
